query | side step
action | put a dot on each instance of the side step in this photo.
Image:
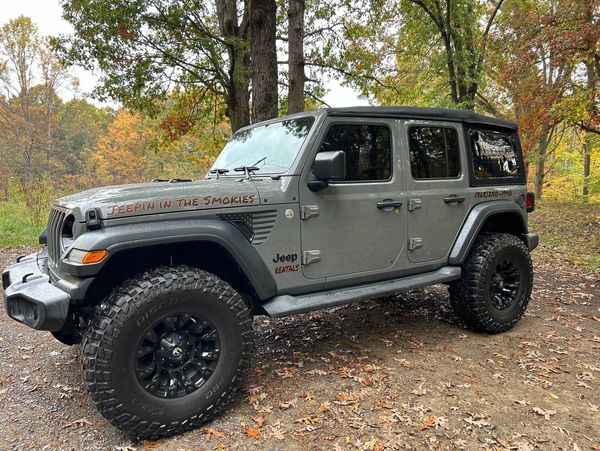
(289, 305)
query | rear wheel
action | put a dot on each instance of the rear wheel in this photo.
(496, 283)
(167, 351)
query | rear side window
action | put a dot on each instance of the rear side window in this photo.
(494, 154)
(433, 152)
(368, 150)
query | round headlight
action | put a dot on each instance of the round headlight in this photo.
(67, 234)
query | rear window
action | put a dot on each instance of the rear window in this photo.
(433, 152)
(494, 155)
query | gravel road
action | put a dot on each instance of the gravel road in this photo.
(393, 374)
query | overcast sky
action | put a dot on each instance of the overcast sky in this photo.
(47, 15)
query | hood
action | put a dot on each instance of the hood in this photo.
(161, 197)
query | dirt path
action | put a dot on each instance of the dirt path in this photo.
(397, 373)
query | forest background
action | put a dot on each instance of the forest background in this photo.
(186, 73)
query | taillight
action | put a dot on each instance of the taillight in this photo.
(530, 202)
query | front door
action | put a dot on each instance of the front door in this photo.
(356, 225)
(437, 186)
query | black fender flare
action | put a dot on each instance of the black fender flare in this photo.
(474, 222)
(124, 237)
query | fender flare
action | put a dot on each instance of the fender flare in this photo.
(124, 237)
(474, 222)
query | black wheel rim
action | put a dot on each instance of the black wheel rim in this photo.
(177, 355)
(504, 285)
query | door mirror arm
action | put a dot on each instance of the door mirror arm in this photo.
(317, 185)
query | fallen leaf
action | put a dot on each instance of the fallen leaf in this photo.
(254, 433)
(308, 396)
(285, 405)
(151, 444)
(428, 422)
(370, 368)
(324, 407)
(544, 413)
(317, 372)
(210, 433)
(260, 421)
(79, 422)
(277, 431)
(310, 421)
(478, 421)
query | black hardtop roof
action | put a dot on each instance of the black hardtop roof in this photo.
(411, 112)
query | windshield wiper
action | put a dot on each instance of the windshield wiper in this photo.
(218, 172)
(248, 170)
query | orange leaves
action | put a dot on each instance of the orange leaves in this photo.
(120, 155)
(210, 433)
(309, 421)
(428, 422)
(254, 433)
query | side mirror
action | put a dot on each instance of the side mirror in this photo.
(328, 166)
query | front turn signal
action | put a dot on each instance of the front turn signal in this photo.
(87, 257)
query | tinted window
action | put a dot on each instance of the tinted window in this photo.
(494, 154)
(368, 150)
(433, 152)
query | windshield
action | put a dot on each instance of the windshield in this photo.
(270, 148)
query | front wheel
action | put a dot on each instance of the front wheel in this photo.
(496, 283)
(167, 351)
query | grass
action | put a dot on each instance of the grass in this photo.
(568, 229)
(16, 227)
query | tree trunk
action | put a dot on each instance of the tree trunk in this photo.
(297, 77)
(541, 162)
(587, 161)
(587, 145)
(264, 59)
(236, 88)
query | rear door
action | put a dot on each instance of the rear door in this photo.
(437, 188)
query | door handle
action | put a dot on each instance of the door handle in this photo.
(453, 198)
(388, 203)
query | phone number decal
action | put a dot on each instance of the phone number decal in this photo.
(492, 194)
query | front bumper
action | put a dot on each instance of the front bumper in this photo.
(30, 298)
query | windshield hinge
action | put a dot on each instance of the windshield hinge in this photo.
(92, 219)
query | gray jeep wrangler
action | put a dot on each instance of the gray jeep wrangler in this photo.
(160, 281)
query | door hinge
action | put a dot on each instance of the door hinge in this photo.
(309, 257)
(306, 211)
(413, 204)
(415, 243)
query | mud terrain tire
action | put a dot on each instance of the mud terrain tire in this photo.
(166, 303)
(494, 290)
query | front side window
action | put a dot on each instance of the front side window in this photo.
(433, 152)
(494, 154)
(368, 150)
(272, 148)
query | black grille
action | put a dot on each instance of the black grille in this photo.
(57, 217)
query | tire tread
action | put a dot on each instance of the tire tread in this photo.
(109, 321)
